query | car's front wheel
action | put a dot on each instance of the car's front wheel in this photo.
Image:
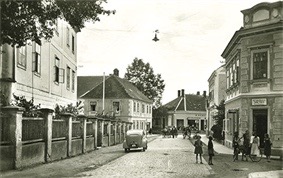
(127, 150)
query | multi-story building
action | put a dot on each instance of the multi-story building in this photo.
(47, 72)
(217, 93)
(254, 68)
(187, 110)
(115, 97)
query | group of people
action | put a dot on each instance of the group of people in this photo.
(198, 149)
(170, 131)
(250, 145)
(186, 132)
(246, 144)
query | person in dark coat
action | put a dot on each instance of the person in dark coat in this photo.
(198, 149)
(236, 146)
(210, 150)
(246, 145)
(267, 147)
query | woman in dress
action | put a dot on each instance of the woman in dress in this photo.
(267, 147)
(198, 149)
(255, 145)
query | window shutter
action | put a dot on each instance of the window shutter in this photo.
(33, 61)
(61, 75)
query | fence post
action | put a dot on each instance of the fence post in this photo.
(120, 132)
(68, 118)
(16, 116)
(109, 132)
(124, 130)
(83, 121)
(47, 115)
(115, 131)
(95, 127)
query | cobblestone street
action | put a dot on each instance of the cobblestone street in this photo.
(165, 157)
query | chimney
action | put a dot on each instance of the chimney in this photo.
(116, 72)
(183, 92)
(179, 93)
(198, 93)
(204, 94)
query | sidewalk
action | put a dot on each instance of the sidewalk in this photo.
(221, 149)
(70, 166)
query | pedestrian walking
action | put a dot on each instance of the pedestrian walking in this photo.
(235, 146)
(210, 150)
(246, 145)
(267, 147)
(185, 132)
(255, 145)
(174, 132)
(198, 149)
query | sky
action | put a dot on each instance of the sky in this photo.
(192, 36)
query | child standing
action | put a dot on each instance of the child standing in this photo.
(198, 149)
(267, 147)
(210, 150)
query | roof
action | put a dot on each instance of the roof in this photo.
(115, 87)
(86, 83)
(190, 103)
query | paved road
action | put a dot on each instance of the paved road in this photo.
(165, 157)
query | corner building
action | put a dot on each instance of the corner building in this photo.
(254, 76)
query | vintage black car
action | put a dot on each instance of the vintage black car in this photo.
(135, 139)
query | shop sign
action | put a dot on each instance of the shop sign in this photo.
(259, 102)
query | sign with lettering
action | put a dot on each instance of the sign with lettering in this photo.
(259, 102)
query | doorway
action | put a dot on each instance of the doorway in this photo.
(260, 123)
(180, 124)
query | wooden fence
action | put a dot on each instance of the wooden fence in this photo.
(28, 141)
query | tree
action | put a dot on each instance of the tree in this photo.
(26, 20)
(143, 77)
(219, 117)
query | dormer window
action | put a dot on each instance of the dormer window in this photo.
(260, 15)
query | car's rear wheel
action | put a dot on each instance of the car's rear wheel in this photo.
(127, 150)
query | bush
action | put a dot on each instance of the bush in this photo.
(29, 106)
(217, 132)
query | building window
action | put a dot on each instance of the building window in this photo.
(260, 60)
(73, 80)
(232, 72)
(58, 72)
(105, 129)
(68, 77)
(68, 37)
(116, 107)
(149, 109)
(93, 105)
(135, 107)
(36, 60)
(73, 44)
(227, 79)
(143, 108)
(22, 57)
(138, 107)
(56, 27)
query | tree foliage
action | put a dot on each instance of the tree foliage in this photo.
(32, 20)
(159, 113)
(220, 116)
(142, 76)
